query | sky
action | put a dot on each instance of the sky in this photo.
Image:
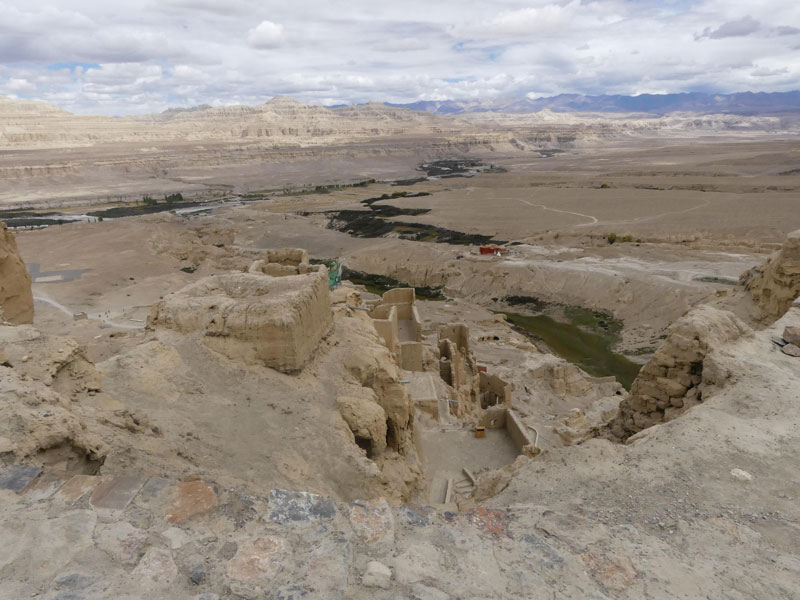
(133, 57)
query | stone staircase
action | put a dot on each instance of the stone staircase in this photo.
(465, 485)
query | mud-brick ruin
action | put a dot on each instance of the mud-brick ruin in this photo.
(276, 314)
(449, 386)
(396, 319)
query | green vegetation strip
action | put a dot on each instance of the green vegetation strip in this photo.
(573, 341)
(379, 284)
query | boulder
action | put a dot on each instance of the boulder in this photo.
(377, 575)
(791, 335)
(791, 350)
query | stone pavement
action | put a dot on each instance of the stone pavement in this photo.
(83, 537)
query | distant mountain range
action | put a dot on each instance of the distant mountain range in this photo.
(746, 103)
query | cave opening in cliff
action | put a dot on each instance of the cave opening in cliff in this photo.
(366, 445)
(392, 439)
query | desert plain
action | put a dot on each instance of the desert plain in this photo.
(190, 409)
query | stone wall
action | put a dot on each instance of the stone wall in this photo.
(676, 377)
(775, 284)
(16, 299)
(258, 319)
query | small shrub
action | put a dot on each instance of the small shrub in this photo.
(604, 186)
(611, 237)
(149, 201)
(627, 238)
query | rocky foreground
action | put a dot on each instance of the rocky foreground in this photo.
(699, 502)
(702, 506)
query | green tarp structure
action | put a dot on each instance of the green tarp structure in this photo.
(335, 273)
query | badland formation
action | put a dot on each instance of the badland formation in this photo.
(288, 351)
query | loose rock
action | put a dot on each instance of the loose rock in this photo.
(377, 575)
(741, 475)
(792, 335)
(791, 350)
(372, 520)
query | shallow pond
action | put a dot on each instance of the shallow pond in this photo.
(584, 338)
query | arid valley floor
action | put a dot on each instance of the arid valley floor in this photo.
(187, 411)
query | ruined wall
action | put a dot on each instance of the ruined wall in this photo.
(458, 333)
(196, 242)
(518, 432)
(280, 262)
(403, 299)
(258, 319)
(494, 390)
(417, 324)
(288, 256)
(680, 371)
(384, 319)
(399, 296)
(16, 299)
(397, 321)
(422, 388)
(776, 283)
(458, 369)
(494, 417)
(503, 417)
(411, 356)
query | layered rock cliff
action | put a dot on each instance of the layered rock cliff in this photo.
(281, 121)
(16, 299)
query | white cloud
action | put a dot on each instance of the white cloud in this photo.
(115, 73)
(403, 45)
(134, 56)
(188, 74)
(20, 86)
(546, 19)
(266, 35)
